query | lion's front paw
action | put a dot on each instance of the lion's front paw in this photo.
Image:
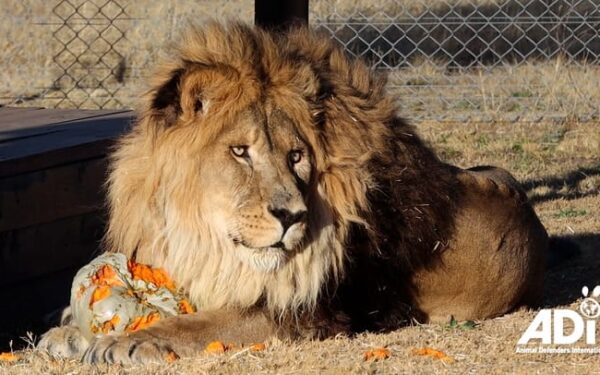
(65, 342)
(124, 349)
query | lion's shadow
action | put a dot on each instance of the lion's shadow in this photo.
(569, 268)
(564, 186)
(564, 281)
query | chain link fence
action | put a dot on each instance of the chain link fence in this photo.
(457, 60)
(475, 59)
(90, 64)
(93, 54)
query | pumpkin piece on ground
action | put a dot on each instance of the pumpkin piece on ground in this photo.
(216, 347)
(430, 352)
(258, 347)
(8, 357)
(377, 354)
(171, 357)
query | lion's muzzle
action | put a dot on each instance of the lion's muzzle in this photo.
(287, 218)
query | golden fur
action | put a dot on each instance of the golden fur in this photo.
(152, 163)
(271, 177)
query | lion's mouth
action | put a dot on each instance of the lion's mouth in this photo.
(265, 259)
(276, 246)
(279, 245)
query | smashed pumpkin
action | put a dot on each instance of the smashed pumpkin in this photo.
(113, 293)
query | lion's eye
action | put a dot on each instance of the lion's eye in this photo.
(239, 151)
(295, 156)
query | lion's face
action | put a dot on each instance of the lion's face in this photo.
(257, 170)
(247, 166)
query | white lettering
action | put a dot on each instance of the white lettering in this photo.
(590, 332)
(559, 327)
(543, 319)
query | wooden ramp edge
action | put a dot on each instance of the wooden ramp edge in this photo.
(53, 165)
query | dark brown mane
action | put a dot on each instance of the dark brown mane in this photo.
(411, 202)
(411, 220)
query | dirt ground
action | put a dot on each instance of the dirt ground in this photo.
(558, 163)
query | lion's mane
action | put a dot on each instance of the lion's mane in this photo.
(378, 192)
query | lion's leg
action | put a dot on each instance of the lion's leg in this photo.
(495, 259)
(66, 340)
(180, 336)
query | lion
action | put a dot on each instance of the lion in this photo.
(271, 176)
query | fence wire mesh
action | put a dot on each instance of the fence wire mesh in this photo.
(88, 59)
(72, 57)
(472, 59)
(455, 60)
(93, 53)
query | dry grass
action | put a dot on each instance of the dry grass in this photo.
(532, 91)
(559, 163)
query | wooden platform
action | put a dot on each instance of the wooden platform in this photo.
(52, 170)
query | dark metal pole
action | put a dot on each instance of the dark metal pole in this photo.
(280, 14)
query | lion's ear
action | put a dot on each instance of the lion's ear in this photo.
(165, 105)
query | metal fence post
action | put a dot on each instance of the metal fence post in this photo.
(278, 14)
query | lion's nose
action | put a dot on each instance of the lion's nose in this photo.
(286, 217)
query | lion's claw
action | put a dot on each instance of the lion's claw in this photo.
(123, 349)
